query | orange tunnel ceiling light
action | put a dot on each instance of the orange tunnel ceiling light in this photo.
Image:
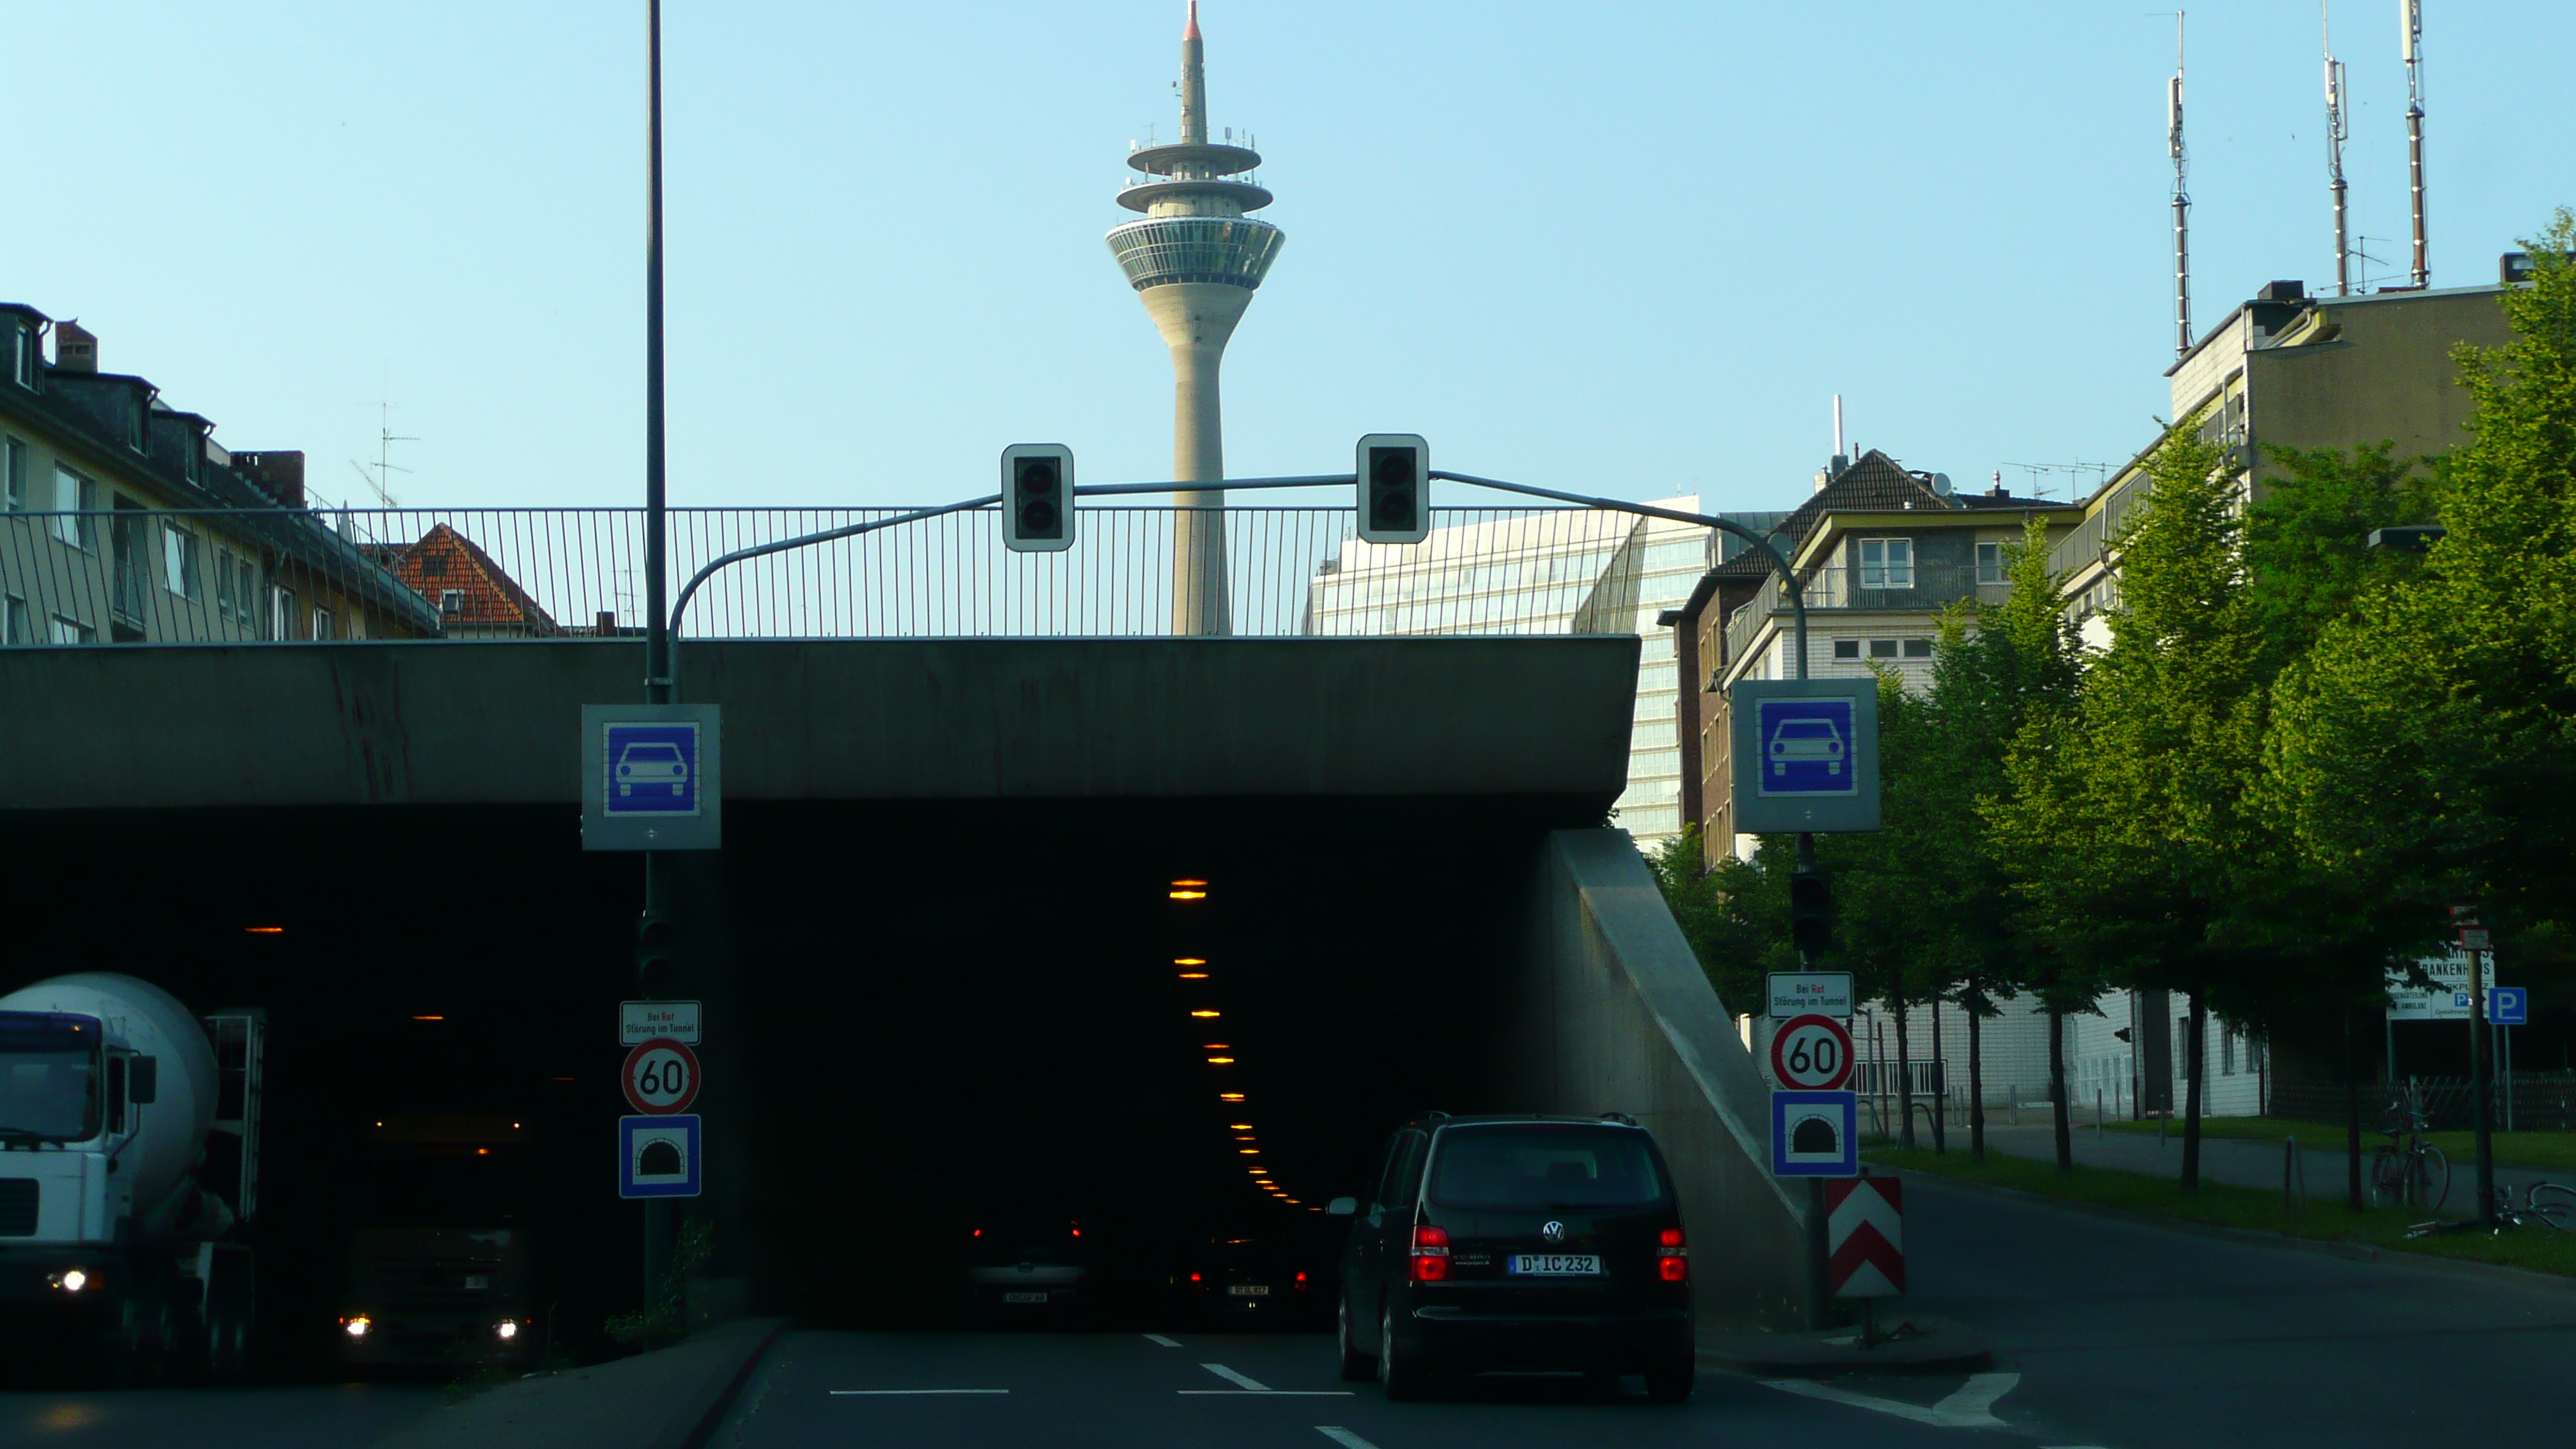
(1189, 890)
(1229, 1096)
(1189, 960)
(1194, 976)
(1220, 1061)
(1238, 1126)
(265, 930)
(1203, 1013)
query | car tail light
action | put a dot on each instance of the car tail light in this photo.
(1672, 1259)
(1430, 1253)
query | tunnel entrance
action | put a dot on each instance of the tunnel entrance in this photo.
(923, 1017)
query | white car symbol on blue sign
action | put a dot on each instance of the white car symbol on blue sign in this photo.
(1806, 746)
(652, 769)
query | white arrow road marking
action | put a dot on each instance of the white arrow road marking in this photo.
(1970, 1407)
(1165, 1342)
(1343, 1437)
(1230, 1376)
(860, 1393)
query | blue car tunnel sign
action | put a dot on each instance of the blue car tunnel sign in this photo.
(652, 777)
(1805, 755)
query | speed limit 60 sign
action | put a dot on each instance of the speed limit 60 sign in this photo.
(1812, 1054)
(661, 1077)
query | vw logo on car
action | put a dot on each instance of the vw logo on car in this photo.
(1553, 1232)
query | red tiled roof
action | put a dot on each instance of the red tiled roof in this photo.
(444, 561)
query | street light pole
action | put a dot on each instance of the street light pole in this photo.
(657, 633)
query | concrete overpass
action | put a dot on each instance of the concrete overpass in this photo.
(936, 951)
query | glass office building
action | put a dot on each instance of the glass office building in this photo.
(1553, 572)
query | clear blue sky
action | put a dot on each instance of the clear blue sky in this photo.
(1632, 248)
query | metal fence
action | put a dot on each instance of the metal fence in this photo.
(243, 575)
(2540, 1102)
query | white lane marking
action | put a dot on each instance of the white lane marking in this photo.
(1165, 1342)
(1968, 1408)
(1273, 1393)
(871, 1393)
(1230, 1376)
(1343, 1437)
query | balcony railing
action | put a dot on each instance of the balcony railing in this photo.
(1927, 587)
(244, 575)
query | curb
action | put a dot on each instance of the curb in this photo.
(1946, 1350)
(2256, 1237)
(713, 1417)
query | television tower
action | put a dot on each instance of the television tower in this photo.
(1196, 258)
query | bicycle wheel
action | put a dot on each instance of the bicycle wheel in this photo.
(2435, 1179)
(2387, 1176)
(2554, 1204)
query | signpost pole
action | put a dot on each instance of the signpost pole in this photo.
(2479, 1091)
(657, 633)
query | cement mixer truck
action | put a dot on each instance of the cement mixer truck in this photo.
(129, 1161)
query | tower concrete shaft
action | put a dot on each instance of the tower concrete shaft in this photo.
(1196, 259)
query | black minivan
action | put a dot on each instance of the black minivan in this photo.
(1517, 1243)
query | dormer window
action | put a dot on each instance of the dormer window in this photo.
(22, 354)
(1885, 563)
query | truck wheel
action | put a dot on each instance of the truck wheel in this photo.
(227, 1348)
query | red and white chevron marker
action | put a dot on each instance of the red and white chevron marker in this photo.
(1865, 1236)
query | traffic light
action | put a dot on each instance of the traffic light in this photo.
(1811, 914)
(1037, 497)
(1395, 488)
(653, 953)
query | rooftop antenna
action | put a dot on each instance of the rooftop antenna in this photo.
(2338, 131)
(379, 475)
(2181, 199)
(2410, 14)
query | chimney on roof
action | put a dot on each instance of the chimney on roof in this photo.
(280, 474)
(75, 348)
(2282, 292)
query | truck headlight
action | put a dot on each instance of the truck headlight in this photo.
(357, 1327)
(507, 1328)
(71, 1280)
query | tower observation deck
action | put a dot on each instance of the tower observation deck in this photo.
(1195, 258)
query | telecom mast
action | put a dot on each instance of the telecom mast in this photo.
(2410, 14)
(2181, 200)
(1195, 259)
(2338, 131)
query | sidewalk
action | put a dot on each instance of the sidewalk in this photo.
(2243, 1164)
(668, 1399)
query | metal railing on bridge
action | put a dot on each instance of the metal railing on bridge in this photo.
(241, 575)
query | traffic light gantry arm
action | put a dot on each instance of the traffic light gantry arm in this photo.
(1779, 565)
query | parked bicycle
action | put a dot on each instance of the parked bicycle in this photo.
(2543, 1202)
(2408, 1169)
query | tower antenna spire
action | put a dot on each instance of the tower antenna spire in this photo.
(1194, 258)
(2410, 15)
(2181, 199)
(2338, 131)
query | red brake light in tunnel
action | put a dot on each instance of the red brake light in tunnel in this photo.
(1672, 1261)
(1301, 1277)
(1430, 1253)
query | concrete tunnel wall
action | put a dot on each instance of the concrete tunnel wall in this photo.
(1622, 1019)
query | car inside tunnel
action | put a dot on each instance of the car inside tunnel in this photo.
(1171, 1023)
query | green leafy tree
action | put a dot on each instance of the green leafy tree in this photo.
(2127, 825)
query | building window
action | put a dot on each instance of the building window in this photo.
(1882, 648)
(22, 355)
(2226, 1053)
(1847, 649)
(322, 624)
(15, 627)
(1990, 564)
(181, 562)
(13, 475)
(451, 603)
(75, 500)
(1918, 648)
(72, 631)
(1886, 563)
(281, 613)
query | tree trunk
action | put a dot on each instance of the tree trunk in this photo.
(1976, 1087)
(2197, 1044)
(1904, 1078)
(2351, 1121)
(2057, 1088)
